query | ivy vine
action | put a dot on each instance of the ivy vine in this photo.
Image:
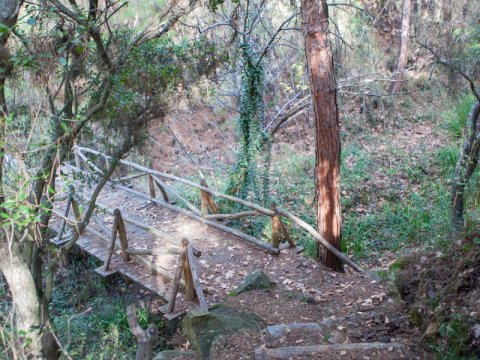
(249, 178)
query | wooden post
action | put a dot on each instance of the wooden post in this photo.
(207, 200)
(145, 338)
(278, 226)
(78, 162)
(286, 235)
(162, 190)
(122, 232)
(176, 283)
(112, 241)
(187, 274)
(275, 231)
(64, 222)
(275, 227)
(76, 210)
(195, 278)
(151, 186)
(203, 203)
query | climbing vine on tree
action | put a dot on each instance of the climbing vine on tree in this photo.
(249, 178)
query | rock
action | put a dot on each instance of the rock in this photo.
(300, 297)
(355, 334)
(385, 339)
(172, 354)
(255, 280)
(336, 337)
(279, 330)
(476, 331)
(379, 318)
(203, 327)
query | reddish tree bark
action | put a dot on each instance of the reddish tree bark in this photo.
(324, 97)
(403, 48)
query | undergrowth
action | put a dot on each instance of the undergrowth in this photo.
(86, 306)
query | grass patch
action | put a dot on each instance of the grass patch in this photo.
(454, 119)
(447, 159)
(420, 219)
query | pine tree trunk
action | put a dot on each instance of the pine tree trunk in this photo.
(403, 48)
(324, 96)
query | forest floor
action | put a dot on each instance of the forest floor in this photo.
(387, 186)
(351, 307)
(395, 200)
(395, 197)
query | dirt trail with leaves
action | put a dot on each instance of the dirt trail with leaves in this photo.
(349, 307)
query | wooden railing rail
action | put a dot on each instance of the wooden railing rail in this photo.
(205, 218)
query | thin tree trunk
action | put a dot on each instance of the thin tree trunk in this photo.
(24, 295)
(466, 164)
(449, 45)
(403, 48)
(324, 95)
(30, 306)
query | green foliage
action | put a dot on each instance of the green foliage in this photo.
(214, 4)
(253, 140)
(454, 338)
(422, 218)
(152, 73)
(17, 211)
(447, 159)
(90, 317)
(454, 119)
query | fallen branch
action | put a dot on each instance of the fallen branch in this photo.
(145, 338)
(289, 352)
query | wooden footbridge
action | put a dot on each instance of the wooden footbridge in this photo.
(158, 240)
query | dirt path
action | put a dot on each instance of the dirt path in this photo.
(350, 307)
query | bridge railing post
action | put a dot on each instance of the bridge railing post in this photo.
(176, 282)
(206, 200)
(162, 189)
(151, 186)
(193, 287)
(122, 233)
(113, 238)
(64, 221)
(277, 228)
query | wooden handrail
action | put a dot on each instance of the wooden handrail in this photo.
(302, 224)
(169, 190)
(185, 181)
(241, 235)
